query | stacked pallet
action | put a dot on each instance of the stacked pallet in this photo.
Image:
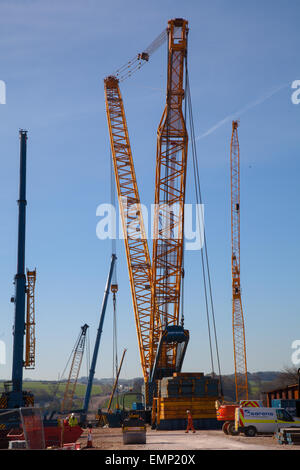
(171, 408)
(289, 436)
(188, 385)
(187, 391)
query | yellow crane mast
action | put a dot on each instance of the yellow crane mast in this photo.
(171, 159)
(29, 362)
(239, 343)
(136, 245)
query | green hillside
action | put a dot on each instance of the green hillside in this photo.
(49, 394)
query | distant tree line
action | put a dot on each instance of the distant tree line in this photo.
(258, 382)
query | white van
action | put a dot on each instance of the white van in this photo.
(251, 421)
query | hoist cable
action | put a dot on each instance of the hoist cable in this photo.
(113, 205)
(199, 200)
(188, 105)
(87, 352)
(114, 276)
(137, 62)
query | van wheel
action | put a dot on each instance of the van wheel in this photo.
(225, 427)
(251, 431)
(231, 429)
(154, 425)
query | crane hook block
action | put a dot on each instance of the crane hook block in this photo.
(144, 56)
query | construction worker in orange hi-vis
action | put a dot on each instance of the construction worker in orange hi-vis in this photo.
(190, 425)
(89, 438)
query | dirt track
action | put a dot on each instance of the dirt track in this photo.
(111, 439)
(97, 401)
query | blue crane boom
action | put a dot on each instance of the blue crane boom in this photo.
(98, 338)
(16, 396)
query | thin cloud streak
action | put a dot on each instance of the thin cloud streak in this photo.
(246, 108)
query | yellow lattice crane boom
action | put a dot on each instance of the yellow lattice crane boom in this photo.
(171, 159)
(29, 362)
(239, 343)
(136, 245)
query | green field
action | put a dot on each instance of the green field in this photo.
(127, 401)
(52, 387)
(50, 394)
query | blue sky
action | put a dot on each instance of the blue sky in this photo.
(243, 58)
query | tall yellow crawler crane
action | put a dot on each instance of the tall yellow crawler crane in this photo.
(156, 288)
(226, 412)
(239, 343)
(172, 142)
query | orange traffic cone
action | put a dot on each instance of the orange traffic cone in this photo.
(89, 439)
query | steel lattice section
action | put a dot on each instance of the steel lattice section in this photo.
(170, 191)
(67, 401)
(138, 258)
(239, 343)
(29, 362)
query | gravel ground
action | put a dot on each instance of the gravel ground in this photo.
(111, 439)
